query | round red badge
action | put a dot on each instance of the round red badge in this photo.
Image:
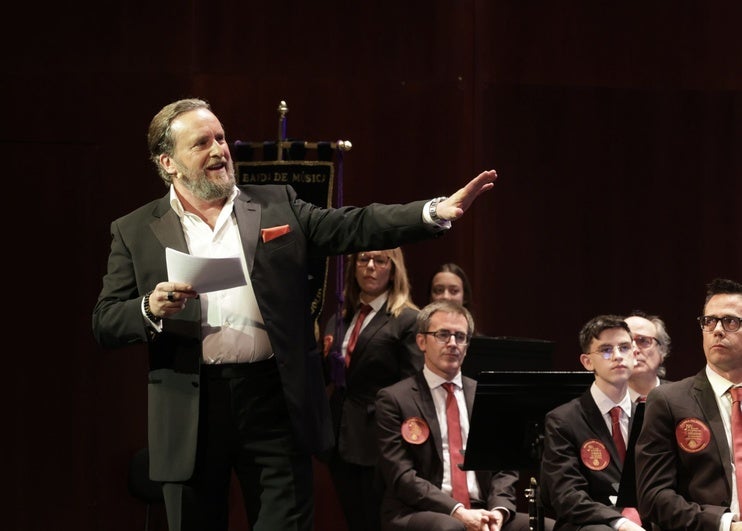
(692, 435)
(415, 430)
(594, 454)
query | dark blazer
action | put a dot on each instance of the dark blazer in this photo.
(278, 271)
(689, 485)
(578, 494)
(385, 353)
(627, 490)
(413, 473)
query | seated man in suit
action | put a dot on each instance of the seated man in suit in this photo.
(685, 453)
(424, 486)
(585, 439)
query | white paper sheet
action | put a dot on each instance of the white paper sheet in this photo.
(204, 274)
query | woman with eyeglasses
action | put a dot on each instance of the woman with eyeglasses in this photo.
(371, 346)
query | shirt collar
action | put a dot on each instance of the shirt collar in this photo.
(605, 404)
(178, 207)
(379, 301)
(719, 384)
(436, 381)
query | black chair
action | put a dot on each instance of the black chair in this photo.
(140, 486)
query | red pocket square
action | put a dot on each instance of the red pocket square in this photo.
(272, 233)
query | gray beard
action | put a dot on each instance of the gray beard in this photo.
(200, 186)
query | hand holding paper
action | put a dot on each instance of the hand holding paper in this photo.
(204, 274)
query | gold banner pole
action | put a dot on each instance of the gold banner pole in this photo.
(282, 110)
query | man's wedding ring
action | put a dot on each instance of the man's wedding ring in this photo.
(170, 296)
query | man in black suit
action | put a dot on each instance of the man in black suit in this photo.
(581, 464)
(685, 452)
(235, 380)
(414, 465)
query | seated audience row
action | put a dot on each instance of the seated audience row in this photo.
(372, 345)
(396, 371)
(638, 452)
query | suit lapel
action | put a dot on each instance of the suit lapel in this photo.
(247, 214)
(704, 395)
(166, 226)
(423, 399)
(167, 229)
(594, 419)
(377, 323)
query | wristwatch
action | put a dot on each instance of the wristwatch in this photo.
(433, 208)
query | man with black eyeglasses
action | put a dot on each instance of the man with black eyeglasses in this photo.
(585, 439)
(422, 489)
(685, 453)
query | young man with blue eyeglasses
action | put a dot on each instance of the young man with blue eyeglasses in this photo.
(585, 439)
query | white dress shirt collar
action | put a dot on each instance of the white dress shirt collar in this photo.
(436, 381)
(605, 404)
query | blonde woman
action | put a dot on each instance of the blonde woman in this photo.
(373, 346)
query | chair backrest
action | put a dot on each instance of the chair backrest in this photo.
(140, 486)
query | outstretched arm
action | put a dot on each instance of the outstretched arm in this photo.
(454, 206)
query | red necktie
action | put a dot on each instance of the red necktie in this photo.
(616, 431)
(737, 438)
(456, 457)
(364, 311)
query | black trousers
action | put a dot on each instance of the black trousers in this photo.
(244, 427)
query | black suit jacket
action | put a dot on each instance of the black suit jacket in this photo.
(385, 353)
(278, 272)
(413, 473)
(684, 478)
(627, 491)
(579, 494)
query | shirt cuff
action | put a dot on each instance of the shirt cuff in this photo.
(618, 523)
(443, 223)
(505, 513)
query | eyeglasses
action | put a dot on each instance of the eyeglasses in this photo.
(444, 336)
(606, 351)
(379, 261)
(645, 341)
(728, 323)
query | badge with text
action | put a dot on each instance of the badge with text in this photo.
(415, 430)
(692, 435)
(594, 454)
